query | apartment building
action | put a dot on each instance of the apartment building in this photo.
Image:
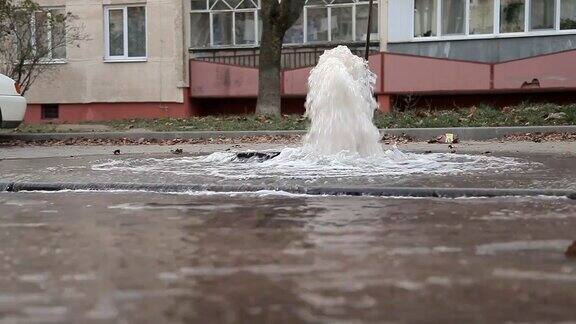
(133, 63)
(156, 58)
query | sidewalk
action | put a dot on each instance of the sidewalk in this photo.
(466, 147)
(416, 134)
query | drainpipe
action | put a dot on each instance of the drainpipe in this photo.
(383, 24)
(367, 53)
(160, 69)
(185, 19)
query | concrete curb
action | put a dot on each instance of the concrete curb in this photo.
(477, 133)
(464, 133)
(342, 191)
(146, 135)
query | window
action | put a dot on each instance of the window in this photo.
(481, 17)
(125, 33)
(200, 27)
(488, 18)
(199, 4)
(425, 18)
(542, 14)
(224, 23)
(317, 24)
(295, 34)
(232, 23)
(568, 14)
(49, 33)
(50, 111)
(361, 24)
(512, 16)
(341, 23)
(222, 27)
(245, 27)
(453, 17)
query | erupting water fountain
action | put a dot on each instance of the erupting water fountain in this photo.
(341, 105)
(342, 141)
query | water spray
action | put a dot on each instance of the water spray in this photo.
(340, 104)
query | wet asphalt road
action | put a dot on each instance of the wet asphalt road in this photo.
(537, 171)
(134, 257)
(168, 258)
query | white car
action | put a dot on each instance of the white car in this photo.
(12, 104)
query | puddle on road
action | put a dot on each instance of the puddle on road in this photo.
(533, 275)
(142, 255)
(161, 206)
(518, 246)
(23, 203)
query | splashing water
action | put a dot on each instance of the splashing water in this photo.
(341, 105)
(342, 141)
(300, 164)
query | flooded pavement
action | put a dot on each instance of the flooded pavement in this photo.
(483, 165)
(200, 257)
(518, 170)
(128, 257)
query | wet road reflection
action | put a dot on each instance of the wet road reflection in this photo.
(211, 258)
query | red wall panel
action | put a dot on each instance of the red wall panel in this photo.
(551, 71)
(72, 113)
(217, 80)
(296, 81)
(406, 74)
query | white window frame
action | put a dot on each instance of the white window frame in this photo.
(124, 57)
(327, 6)
(49, 59)
(496, 21)
(211, 12)
(256, 23)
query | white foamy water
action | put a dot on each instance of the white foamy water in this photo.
(299, 163)
(342, 141)
(341, 105)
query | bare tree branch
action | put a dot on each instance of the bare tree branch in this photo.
(290, 12)
(32, 38)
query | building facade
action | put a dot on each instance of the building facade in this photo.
(177, 58)
(133, 63)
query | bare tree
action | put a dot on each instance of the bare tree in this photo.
(277, 17)
(33, 38)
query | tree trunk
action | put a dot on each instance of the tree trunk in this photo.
(269, 97)
(277, 17)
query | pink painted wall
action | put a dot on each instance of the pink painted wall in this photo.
(296, 81)
(399, 74)
(552, 71)
(375, 65)
(72, 113)
(406, 74)
(221, 80)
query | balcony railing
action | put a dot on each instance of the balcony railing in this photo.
(292, 57)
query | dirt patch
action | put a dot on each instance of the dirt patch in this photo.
(540, 137)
